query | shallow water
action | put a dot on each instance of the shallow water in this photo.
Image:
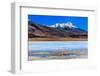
(57, 45)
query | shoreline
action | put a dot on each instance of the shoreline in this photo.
(57, 39)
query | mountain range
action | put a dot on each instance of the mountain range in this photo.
(59, 30)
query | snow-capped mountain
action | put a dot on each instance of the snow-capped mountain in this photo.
(65, 30)
(68, 24)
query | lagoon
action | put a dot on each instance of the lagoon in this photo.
(57, 45)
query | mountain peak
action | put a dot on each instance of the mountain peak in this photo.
(63, 25)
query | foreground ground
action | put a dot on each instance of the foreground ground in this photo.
(57, 55)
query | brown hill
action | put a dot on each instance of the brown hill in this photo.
(41, 31)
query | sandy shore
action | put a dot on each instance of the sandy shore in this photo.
(57, 39)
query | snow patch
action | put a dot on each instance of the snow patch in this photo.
(68, 24)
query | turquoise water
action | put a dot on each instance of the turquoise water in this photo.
(57, 45)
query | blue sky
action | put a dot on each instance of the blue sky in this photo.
(80, 22)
